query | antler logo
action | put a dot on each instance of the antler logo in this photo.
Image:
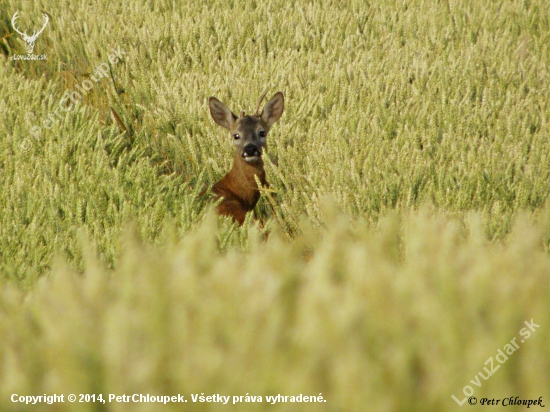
(29, 39)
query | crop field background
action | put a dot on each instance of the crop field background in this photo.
(403, 241)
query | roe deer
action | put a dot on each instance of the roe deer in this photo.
(238, 187)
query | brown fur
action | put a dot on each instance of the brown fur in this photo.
(239, 189)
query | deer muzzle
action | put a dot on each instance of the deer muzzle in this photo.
(251, 153)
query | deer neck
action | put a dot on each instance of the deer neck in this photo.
(241, 179)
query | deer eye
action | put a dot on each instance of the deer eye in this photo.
(236, 136)
(262, 133)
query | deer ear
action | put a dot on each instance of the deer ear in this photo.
(273, 110)
(221, 113)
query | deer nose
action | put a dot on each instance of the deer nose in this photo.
(251, 150)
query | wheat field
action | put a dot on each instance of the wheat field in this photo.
(403, 241)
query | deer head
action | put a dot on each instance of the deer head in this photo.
(249, 132)
(28, 39)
